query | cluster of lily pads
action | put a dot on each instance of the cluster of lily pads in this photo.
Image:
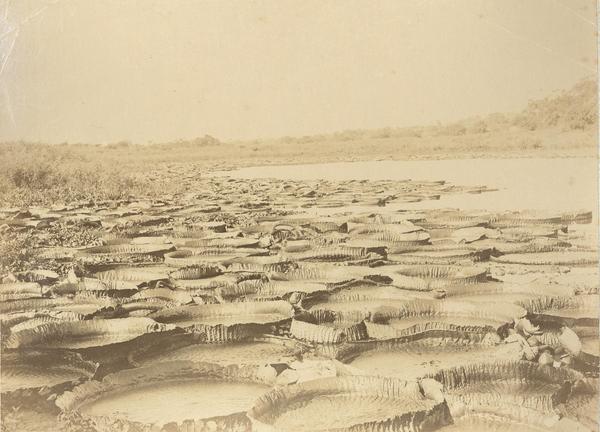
(301, 306)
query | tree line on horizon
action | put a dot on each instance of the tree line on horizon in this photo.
(573, 109)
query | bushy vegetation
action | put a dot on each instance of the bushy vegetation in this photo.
(37, 174)
(573, 109)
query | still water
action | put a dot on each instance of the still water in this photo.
(567, 184)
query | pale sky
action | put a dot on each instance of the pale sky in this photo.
(156, 70)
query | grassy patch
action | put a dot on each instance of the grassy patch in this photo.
(36, 174)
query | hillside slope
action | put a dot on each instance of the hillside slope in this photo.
(576, 108)
(572, 109)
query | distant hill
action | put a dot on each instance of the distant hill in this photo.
(573, 109)
(576, 108)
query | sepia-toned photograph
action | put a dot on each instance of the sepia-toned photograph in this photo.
(299, 216)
